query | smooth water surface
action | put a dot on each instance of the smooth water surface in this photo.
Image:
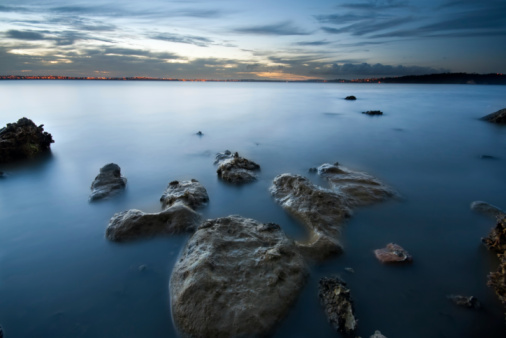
(60, 277)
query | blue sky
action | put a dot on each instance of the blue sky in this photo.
(235, 39)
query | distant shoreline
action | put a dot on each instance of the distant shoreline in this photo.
(443, 78)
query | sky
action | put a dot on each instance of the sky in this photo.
(259, 39)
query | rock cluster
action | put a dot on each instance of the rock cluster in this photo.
(323, 210)
(108, 182)
(350, 98)
(178, 216)
(498, 117)
(235, 277)
(336, 300)
(235, 169)
(22, 140)
(393, 253)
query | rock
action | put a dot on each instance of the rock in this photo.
(135, 224)
(488, 157)
(235, 277)
(312, 170)
(235, 169)
(465, 301)
(323, 210)
(359, 188)
(199, 133)
(487, 209)
(393, 253)
(349, 270)
(108, 182)
(191, 193)
(2, 174)
(498, 117)
(377, 334)
(336, 300)
(373, 112)
(350, 98)
(23, 140)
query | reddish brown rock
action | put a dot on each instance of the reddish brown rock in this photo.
(393, 253)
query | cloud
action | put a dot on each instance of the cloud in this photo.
(25, 35)
(376, 4)
(188, 39)
(312, 43)
(282, 28)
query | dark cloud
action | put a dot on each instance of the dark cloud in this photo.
(188, 39)
(312, 43)
(369, 26)
(338, 19)
(376, 5)
(25, 35)
(282, 28)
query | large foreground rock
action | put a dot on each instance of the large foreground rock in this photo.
(235, 169)
(498, 117)
(336, 300)
(135, 224)
(393, 253)
(22, 140)
(323, 210)
(236, 277)
(191, 193)
(108, 182)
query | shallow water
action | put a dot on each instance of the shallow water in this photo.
(59, 276)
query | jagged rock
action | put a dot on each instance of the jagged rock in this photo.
(498, 117)
(323, 210)
(373, 112)
(135, 224)
(22, 140)
(235, 169)
(465, 301)
(191, 193)
(108, 182)
(235, 277)
(378, 334)
(336, 300)
(487, 209)
(393, 253)
(350, 98)
(359, 188)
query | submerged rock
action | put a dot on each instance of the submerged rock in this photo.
(393, 253)
(465, 301)
(498, 117)
(487, 209)
(336, 300)
(191, 193)
(378, 334)
(235, 277)
(235, 169)
(108, 182)
(135, 224)
(373, 112)
(22, 140)
(323, 210)
(350, 98)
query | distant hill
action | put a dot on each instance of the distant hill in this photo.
(443, 78)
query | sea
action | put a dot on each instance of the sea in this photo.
(60, 276)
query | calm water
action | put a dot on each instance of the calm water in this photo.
(59, 276)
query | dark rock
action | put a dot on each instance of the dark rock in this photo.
(235, 169)
(2, 174)
(336, 300)
(108, 182)
(488, 157)
(487, 209)
(199, 133)
(465, 301)
(373, 112)
(135, 224)
(350, 98)
(393, 253)
(236, 278)
(323, 210)
(23, 140)
(191, 193)
(312, 170)
(498, 117)
(1, 332)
